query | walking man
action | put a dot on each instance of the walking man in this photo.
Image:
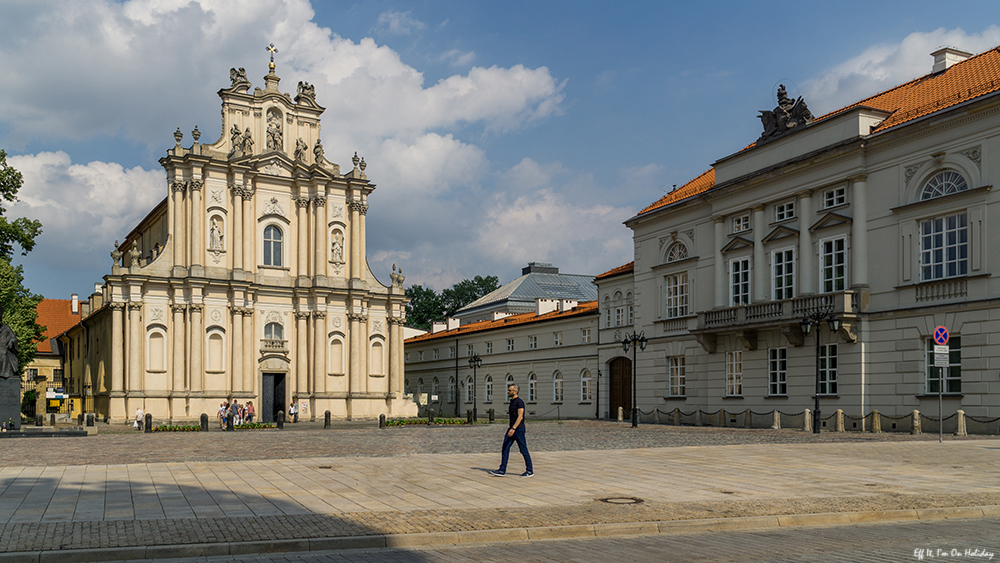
(515, 433)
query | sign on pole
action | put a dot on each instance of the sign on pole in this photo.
(941, 336)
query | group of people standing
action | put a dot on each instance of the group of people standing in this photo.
(242, 414)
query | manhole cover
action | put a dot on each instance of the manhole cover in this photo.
(325, 467)
(621, 500)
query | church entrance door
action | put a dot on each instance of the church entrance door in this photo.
(272, 396)
(620, 394)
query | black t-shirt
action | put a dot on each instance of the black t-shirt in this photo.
(515, 404)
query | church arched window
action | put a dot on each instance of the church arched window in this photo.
(944, 183)
(274, 331)
(272, 245)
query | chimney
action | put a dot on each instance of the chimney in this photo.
(74, 305)
(453, 323)
(543, 306)
(567, 304)
(437, 327)
(539, 268)
(497, 315)
(945, 57)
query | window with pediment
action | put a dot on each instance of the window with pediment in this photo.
(678, 251)
(944, 183)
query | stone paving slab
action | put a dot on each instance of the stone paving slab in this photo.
(189, 497)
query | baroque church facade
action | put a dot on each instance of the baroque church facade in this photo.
(249, 281)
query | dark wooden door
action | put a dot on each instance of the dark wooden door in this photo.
(621, 387)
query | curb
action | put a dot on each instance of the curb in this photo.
(429, 539)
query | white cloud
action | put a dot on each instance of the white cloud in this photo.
(399, 23)
(83, 207)
(456, 57)
(886, 65)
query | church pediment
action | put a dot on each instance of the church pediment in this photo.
(830, 220)
(737, 243)
(780, 232)
(274, 164)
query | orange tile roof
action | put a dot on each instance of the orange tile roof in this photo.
(971, 78)
(585, 308)
(56, 316)
(623, 269)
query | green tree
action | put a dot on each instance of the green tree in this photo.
(424, 307)
(427, 306)
(19, 231)
(467, 291)
(20, 311)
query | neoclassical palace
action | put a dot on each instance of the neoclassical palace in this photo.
(880, 216)
(248, 282)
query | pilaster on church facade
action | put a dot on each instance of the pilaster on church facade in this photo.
(249, 280)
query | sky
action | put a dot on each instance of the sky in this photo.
(498, 133)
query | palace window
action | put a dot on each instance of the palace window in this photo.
(784, 211)
(677, 252)
(952, 373)
(944, 247)
(828, 369)
(468, 389)
(469, 350)
(585, 336)
(451, 351)
(586, 387)
(944, 183)
(532, 388)
(834, 197)
(557, 387)
(272, 246)
(420, 356)
(783, 268)
(508, 381)
(510, 344)
(739, 282)
(532, 342)
(437, 354)
(676, 380)
(274, 331)
(734, 373)
(451, 389)
(777, 372)
(619, 316)
(557, 339)
(488, 386)
(741, 223)
(676, 295)
(489, 347)
(833, 264)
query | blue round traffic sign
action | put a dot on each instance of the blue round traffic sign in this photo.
(940, 336)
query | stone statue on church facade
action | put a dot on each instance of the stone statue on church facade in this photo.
(274, 138)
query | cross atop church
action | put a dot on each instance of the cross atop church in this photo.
(271, 49)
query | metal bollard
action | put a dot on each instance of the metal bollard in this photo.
(229, 422)
(147, 426)
(90, 420)
(204, 422)
(493, 415)
(281, 420)
(430, 417)
(381, 420)
(326, 419)
(39, 420)
(468, 416)
(79, 419)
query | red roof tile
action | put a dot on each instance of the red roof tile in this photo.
(585, 308)
(969, 79)
(56, 316)
(623, 269)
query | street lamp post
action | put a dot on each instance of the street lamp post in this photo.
(815, 319)
(637, 340)
(475, 362)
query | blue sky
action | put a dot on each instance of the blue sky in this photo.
(498, 133)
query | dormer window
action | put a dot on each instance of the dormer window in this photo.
(741, 223)
(944, 183)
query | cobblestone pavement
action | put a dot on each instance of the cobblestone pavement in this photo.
(131, 490)
(882, 543)
(124, 446)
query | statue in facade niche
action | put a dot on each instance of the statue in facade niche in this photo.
(337, 248)
(237, 76)
(247, 142)
(785, 118)
(235, 139)
(318, 151)
(215, 236)
(300, 150)
(274, 137)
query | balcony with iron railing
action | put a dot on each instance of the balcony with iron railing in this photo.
(780, 312)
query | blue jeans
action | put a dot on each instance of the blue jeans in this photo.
(522, 445)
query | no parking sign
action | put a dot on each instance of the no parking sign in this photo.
(941, 347)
